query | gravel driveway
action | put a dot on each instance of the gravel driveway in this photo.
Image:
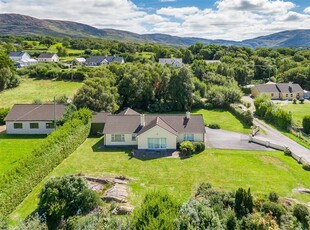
(223, 139)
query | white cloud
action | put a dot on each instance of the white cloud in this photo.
(229, 19)
(168, 0)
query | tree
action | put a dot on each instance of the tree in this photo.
(180, 90)
(243, 202)
(66, 196)
(8, 79)
(306, 124)
(5, 62)
(98, 95)
(302, 214)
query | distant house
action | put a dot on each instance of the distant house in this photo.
(212, 61)
(32, 118)
(306, 94)
(155, 132)
(176, 62)
(103, 60)
(22, 59)
(48, 57)
(79, 60)
(280, 91)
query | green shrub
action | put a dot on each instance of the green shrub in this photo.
(189, 146)
(274, 209)
(245, 117)
(243, 202)
(158, 211)
(306, 167)
(24, 176)
(214, 126)
(306, 124)
(3, 113)
(301, 212)
(199, 147)
(273, 197)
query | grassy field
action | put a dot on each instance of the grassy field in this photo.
(31, 89)
(298, 111)
(15, 147)
(224, 118)
(263, 171)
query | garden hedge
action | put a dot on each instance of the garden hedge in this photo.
(244, 116)
(18, 182)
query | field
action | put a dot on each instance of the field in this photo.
(224, 118)
(31, 89)
(15, 147)
(263, 171)
(298, 111)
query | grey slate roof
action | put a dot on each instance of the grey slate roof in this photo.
(126, 124)
(16, 54)
(100, 117)
(46, 55)
(279, 88)
(128, 111)
(267, 88)
(95, 59)
(33, 112)
(105, 59)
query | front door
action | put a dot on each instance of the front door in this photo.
(157, 143)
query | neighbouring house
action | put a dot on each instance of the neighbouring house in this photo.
(306, 94)
(279, 91)
(79, 61)
(48, 57)
(22, 59)
(213, 61)
(176, 62)
(98, 121)
(33, 118)
(103, 60)
(153, 132)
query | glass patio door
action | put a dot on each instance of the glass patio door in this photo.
(157, 143)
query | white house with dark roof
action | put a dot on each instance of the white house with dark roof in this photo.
(103, 60)
(22, 59)
(33, 118)
(48, 57)
(279, 91)
(160, 132)
(176, 62)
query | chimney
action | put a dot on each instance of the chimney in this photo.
(290, 86)
(142, 120)
(188, 115)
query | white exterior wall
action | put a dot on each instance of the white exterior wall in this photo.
(53, 59)
(157, 132)
(26, 128)
(127, 142)
(198, 137)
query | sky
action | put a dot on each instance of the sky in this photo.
(210, 19)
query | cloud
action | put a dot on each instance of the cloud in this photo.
(177, 12)
(307, 10)
(168, 0)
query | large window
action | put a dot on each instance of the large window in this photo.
(18, 125)
(118, 138)
(34, 125)
(50, 125)
(188, 137)
(157, 143)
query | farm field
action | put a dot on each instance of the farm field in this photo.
(298, 111)
(31, 89)
(263, 171)
(224, 118)
(15, 147)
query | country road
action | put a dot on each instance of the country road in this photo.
(279, 138)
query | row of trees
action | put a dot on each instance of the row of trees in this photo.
(8, 77)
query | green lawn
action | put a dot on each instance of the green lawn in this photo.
(263, 171)
(31, 89)
(224, 118)
(15, 147)
(298, 111)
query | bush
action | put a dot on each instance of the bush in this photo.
(306, 167)
(245, 117)
(274, 209)
(28, 172)
(158, 211)
(301, 212)
(306, 124)
(199, 147)
(243, 202)
(273, 197)
(66, 196)
(3, 113)
(214, 126)
(189, 146)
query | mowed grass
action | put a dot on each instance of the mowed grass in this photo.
(298, 111)
(15, 147)
(263, 171)
(31, 89)
(224, 118)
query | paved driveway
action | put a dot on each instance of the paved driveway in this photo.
(222, 139)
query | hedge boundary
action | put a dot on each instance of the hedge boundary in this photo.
(18, 182)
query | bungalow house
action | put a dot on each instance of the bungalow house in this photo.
(278, 91)
(98, 122)
(176, 62)
(156, 132)
(48, 57)
(103, 60)
(22, 59)
(213, 61)
(33, 119)
(79, 61)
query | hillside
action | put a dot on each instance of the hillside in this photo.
(15, 24)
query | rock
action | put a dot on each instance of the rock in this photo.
(117, 193)
(301, 190)
(124, 209)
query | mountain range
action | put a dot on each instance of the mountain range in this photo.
(16, 24)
